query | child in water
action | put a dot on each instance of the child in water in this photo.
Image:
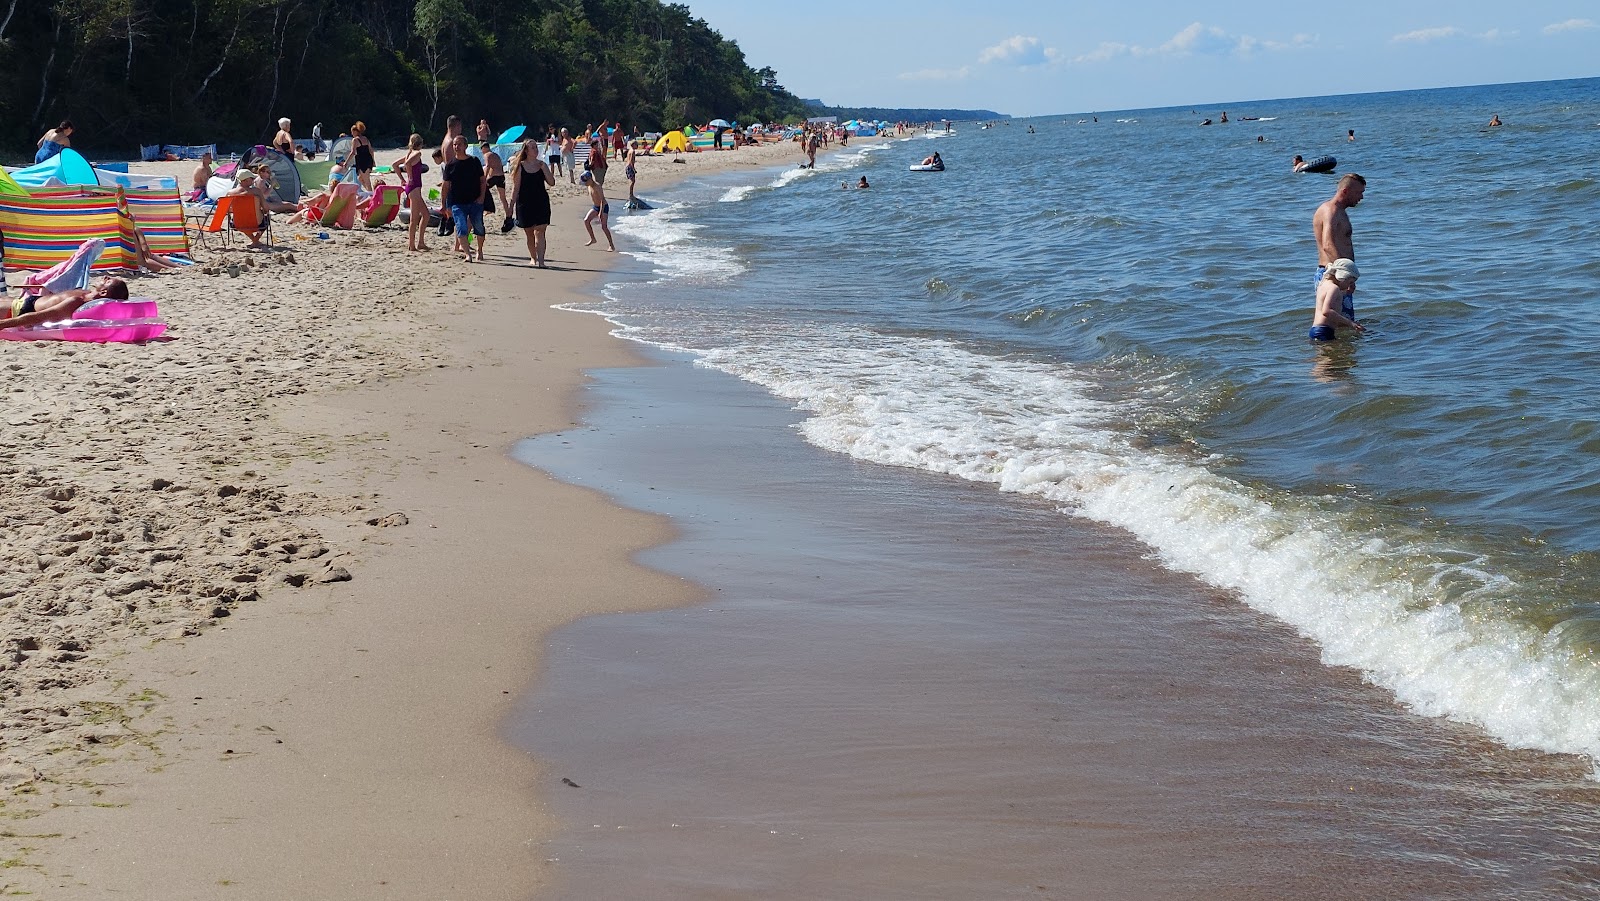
(1338, 283)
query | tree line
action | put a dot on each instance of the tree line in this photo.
(129, 72)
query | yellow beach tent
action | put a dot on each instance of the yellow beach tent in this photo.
(673, 141)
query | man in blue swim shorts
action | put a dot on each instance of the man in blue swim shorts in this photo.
(1334, 290)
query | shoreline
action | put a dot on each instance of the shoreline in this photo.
(294, 739)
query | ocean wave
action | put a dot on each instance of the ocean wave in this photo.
(1403, 608)
(674, 248)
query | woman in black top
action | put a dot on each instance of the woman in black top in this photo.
(530, 198)
(283, 141)
(361, 154)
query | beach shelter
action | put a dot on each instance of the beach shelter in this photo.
(339, 150)
(39, 230)
(9, 186)
(65, 168)
(285, 176)
(673, 141)
(511, 135)
(110, 178)
(158, 214)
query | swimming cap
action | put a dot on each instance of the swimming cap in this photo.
(1343, 269)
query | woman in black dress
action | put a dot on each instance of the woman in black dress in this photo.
(530, 198)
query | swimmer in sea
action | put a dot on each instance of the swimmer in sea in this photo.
(1494, 121)
(1298, 163)
(863, 183)
(1338, 282)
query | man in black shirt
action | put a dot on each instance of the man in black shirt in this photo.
(465, 186)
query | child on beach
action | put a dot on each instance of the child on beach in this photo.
(599, 209)
(1338, 282)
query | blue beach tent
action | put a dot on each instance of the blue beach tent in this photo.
(65, 168)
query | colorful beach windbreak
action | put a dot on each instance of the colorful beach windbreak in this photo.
(1108, 312)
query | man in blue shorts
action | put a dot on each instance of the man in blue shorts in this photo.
(466, 187)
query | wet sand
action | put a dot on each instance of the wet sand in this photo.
(905, 686)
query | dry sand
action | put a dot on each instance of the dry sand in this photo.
(270, 585)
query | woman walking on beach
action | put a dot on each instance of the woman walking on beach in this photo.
(412, 167)
(361, 155)
(54, 141)
(530, 199)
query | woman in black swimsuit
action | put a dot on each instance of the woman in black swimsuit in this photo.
(530, 198)
(283, 141)
(361, 154)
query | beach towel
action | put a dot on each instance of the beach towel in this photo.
(72, 272)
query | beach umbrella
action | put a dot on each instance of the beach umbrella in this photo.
(512, 134)
(720, 123)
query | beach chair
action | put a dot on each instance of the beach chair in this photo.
(228, 213)
(341, 211)
(381, 208)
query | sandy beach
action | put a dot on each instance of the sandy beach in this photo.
(271, 584)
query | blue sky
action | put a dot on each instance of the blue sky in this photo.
(1032, 57)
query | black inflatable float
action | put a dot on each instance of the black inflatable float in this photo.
(1320, 164)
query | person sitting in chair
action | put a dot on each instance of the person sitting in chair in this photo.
(247, 186)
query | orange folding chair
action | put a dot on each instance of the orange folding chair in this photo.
(230, 209)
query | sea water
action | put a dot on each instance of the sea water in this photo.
(1108, 311)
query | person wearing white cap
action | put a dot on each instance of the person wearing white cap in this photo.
(1338, 281)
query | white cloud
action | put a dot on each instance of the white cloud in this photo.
(1425, 35)
(1107, 50)
(1019, 50)
(1197, 38)
(1569, 25)
(936, 74)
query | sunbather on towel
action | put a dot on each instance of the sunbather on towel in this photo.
(30, 311)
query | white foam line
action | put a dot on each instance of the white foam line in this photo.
(1029, 428)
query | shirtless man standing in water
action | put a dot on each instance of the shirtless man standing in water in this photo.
(1331, 224)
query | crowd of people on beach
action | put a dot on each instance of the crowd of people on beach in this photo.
(474, 177)
(475, 182)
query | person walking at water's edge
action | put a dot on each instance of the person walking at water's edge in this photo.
(1331, 226)
(599, 210)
